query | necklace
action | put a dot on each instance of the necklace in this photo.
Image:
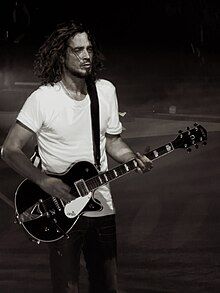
(74, 96)
(66, 90)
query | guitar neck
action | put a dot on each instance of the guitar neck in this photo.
(123, 169)
(160, 152)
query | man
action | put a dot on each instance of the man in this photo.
(58, 112)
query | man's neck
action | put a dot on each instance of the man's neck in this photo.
(75, 87)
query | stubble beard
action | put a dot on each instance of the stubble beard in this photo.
(77, 73)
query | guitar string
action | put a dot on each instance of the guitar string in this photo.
(109, 173)
(93, 181)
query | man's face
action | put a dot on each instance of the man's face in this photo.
(79, 55)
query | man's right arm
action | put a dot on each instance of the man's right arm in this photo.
(13, 155)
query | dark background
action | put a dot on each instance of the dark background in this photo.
(168, 49)
(155, 21)
(163, 57)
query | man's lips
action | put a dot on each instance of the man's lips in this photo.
(86, 65)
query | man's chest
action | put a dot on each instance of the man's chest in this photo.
(73, 122)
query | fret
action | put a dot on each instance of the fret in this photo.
(103, 178)
(110, 175)
(120, 170)
(93, 183)
(159, 152)
(126, 167)
(132, 165)
(117, 171)
(135, 163)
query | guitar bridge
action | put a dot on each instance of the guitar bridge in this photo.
(33, 213)
(81, 187)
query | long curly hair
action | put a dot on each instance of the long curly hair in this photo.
(48, 62)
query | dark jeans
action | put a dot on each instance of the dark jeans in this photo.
(96, 237)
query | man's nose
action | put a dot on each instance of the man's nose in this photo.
(85, 55)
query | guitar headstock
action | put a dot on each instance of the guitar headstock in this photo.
(191, 137)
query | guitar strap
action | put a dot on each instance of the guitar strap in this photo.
(94, 106)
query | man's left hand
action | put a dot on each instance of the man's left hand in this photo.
(144, 164)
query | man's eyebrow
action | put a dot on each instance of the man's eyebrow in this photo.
(77, 47)
(80, 47)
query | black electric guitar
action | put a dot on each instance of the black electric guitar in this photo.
(46, 218)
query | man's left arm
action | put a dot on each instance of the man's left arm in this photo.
(122, 153)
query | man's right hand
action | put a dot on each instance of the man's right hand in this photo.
(56, 187)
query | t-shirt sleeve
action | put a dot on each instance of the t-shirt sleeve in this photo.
(31, 113)
(114, 125)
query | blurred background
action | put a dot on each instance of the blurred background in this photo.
(158, 53)
(164, 58)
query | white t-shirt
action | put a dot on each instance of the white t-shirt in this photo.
(64, 131)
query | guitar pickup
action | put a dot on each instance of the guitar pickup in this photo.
(81, 187)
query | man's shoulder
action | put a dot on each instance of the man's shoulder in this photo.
(44, 92)
(105, 84)
(46, 89)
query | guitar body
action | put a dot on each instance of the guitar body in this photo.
(43, 216)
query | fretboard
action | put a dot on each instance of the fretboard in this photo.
(119, 171)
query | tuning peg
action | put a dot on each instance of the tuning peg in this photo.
(188, 150)
(181, 133)
(188, 129)
(196, 126)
